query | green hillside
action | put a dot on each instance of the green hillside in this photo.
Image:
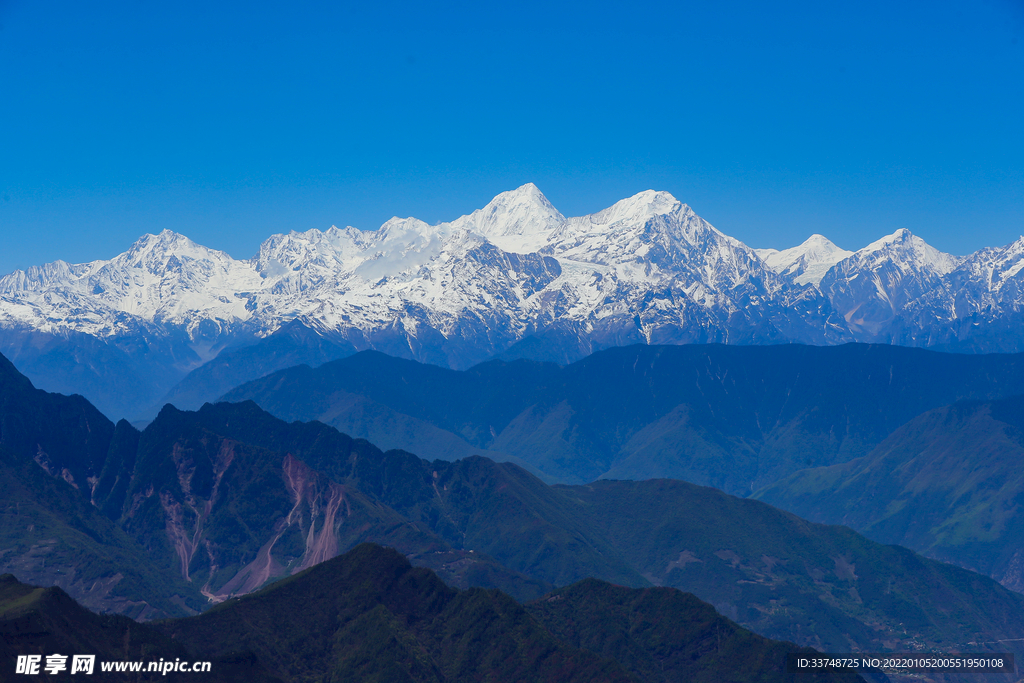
(948, 484)
(787, 578)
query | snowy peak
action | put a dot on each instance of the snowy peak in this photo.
(993, 273)
(1009, 265)
(638, 208)
(407, 231)
(653, 242)
(155, 255)
(909, 252)
(621, 227)
(150, 251)
(892, 276)
(164, 278)
(518, 221)
(403, 246)
(167, 257)
(806, 263)
(310, 256)
(39, 278)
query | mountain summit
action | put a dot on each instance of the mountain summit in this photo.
(806, 263)
(518, 221)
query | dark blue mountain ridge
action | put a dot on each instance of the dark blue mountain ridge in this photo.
(734, 417)
(220, 501)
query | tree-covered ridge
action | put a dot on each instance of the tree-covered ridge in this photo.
(662, 635)
(368, 615)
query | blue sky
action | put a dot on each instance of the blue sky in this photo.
(772, 120)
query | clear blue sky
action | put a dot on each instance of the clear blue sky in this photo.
(232, 121)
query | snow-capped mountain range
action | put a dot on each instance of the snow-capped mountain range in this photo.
(519, 278)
